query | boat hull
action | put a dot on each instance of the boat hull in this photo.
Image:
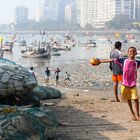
(32, 55)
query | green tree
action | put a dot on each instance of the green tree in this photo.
(119, 22)
(88, 27)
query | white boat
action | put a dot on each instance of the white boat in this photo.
(8, 46)
(58, 47)
(91, 43)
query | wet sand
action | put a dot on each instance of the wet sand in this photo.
(82, 75)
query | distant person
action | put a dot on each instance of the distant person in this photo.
(32, 72)
(57, 75)
(116, 69)
(47, 74)
(11, 46)
(1, 53)
(67, 76)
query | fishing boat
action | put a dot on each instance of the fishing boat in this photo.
(91, 43)
(35, 53)
(8, 46)
(22, 43)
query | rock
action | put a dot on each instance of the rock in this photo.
(30, 124)
(15, 80)
(47, 92)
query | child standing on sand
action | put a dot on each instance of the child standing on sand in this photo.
(116, 69)
(57, 75)
(128, 88)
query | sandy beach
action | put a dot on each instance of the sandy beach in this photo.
(86, 110)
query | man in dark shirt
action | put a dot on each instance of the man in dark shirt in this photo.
(116, 69)
(57, 75)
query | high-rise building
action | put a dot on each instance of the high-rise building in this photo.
(71, 12)
(68, 13)
(78, 3)
(136, 9)
(61, 10)
(87, 12)
(39, 13)
(98, 12)
(50, 10)
(21, 15)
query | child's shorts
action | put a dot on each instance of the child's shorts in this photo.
(117, 78)
(129, 93)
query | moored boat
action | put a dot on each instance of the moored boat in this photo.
(36, 53)
(22, 43)
(8, 46)
(91, 43)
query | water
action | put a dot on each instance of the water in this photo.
(77, 53)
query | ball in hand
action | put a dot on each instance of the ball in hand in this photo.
(94, 61)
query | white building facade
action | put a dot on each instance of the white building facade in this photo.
(98, 12)
(39, 13)
(71, 12)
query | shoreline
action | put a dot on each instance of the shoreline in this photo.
(97, 32)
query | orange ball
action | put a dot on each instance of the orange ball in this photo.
(94, 61)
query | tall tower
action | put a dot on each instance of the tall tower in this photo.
(136, 9)
(50, 10)
(21, 15)
(39, 13)
(71, 12)
(123, 7)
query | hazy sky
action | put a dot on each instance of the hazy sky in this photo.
(7, 8)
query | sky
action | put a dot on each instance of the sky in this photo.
(7, 8)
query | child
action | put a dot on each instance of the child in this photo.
(32, 72)
(67, 76)
(57, 75)
(115, 68)
(47, 74)
(128, 88)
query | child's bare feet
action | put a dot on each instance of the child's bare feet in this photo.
(138, 118)
(134, 118)
(117, 100)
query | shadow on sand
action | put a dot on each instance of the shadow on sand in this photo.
(82, 125)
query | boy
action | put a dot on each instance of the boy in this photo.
(116, 70)
(67, 76)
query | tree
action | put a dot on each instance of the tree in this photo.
(88, 27)
(119, 22)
